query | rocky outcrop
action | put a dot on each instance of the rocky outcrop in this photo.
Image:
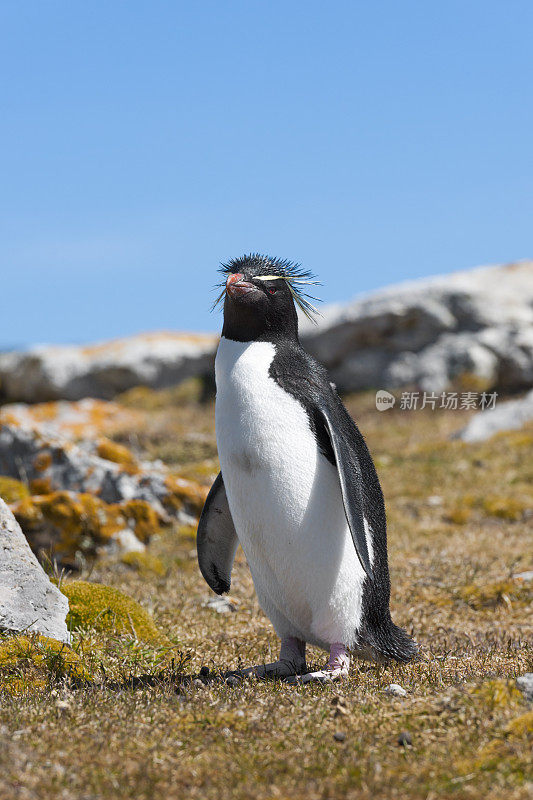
(50, 464)
(76, 497)
(28, 601)
(104, 370)
(476, 325)
(505, 416)
(429, 333)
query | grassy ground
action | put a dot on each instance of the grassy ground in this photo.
(459, 529)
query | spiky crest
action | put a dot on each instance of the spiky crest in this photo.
(268, 268)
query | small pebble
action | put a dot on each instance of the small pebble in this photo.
(339, 736)
(232, 680)
(524, 576)
(198, 683)
(396, 689)
(404, 739)
(222, 605)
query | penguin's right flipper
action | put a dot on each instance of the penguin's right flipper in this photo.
(216, 539)
(349, 471)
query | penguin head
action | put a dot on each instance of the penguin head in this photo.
(259, 297)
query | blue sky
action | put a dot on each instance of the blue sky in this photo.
(142, 143)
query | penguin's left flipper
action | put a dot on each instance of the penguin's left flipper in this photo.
(349, 471)
(216, 539)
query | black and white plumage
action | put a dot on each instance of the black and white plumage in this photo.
(298, 488)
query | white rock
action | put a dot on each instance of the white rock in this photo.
(525, 684)
(505, 416)
(127, 542)
(103, 370)
(524, 576)
(28, 601)
(221, 605)
(73, 467)
(431, 331)
(396, 689)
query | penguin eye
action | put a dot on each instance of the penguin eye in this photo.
(272, 289)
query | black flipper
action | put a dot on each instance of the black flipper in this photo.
(216, 539)
(349, 471)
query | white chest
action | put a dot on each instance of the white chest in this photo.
(284, 498)
(262, 431)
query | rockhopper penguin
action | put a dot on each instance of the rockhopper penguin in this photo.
(297, 488)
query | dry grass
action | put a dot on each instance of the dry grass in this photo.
(167, 737)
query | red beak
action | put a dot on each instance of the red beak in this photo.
(236, 286)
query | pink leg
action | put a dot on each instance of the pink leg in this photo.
(335, 670)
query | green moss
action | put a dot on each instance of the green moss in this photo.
(144, 563)
(105, 609)
(12, 490)
(28, 663)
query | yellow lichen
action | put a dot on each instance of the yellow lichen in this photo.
(80, 514)
(459, 515)
(183, 492)
(93, 605)
(142, 517)
(187, 532)
(189, 391)
(41, 486)
(118, 453)
(493, 594)
(508, 508)
(83, 522)
(521, 726)
(42, 461)
(12, 490)
(503, 747)
(29, 662)
(145, 563)
(498, 693)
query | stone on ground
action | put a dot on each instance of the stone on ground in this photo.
(477, 324)
(506, 416)
(104, 370)
(28, 601)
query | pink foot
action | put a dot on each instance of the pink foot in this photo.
(335, 670)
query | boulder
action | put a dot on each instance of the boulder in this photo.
(506, 416)
(75, 498)
(475, 324)
(28, 601)
(104, 370)
(51, 463)
(525, 684)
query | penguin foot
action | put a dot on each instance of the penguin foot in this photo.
(336, 669)
(291, 662)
